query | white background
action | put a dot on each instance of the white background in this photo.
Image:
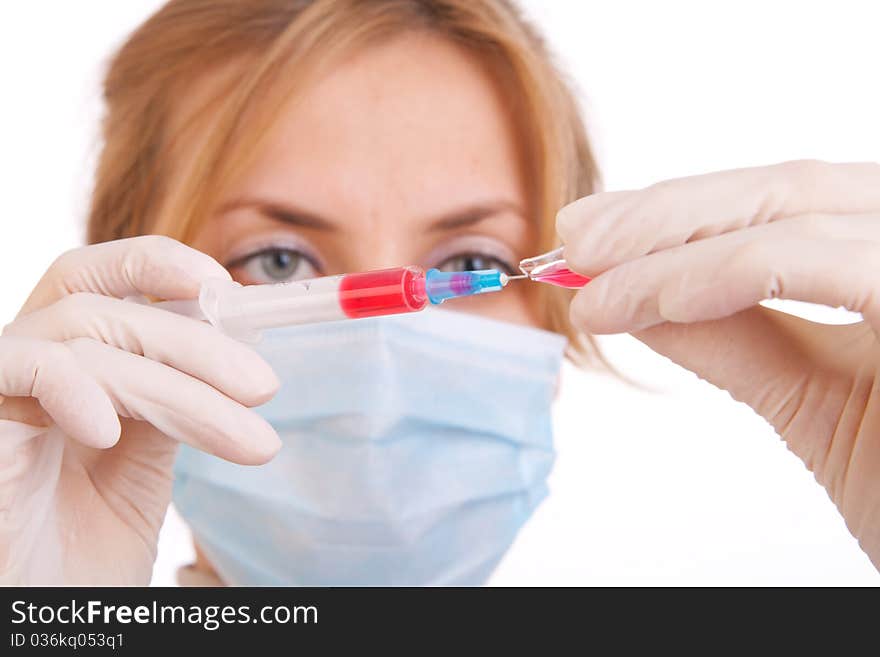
(678, 486)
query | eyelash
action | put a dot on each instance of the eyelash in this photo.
(245, 260)
(248, 258)
(504, 266)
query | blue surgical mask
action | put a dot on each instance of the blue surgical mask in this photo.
(414, 449)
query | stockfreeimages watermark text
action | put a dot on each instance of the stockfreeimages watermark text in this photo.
(210, 617)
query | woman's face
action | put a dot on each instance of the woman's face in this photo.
(404, 154)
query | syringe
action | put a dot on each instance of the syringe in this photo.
(243, 312)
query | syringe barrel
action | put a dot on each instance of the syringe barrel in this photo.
(244, 311)
(383, 292)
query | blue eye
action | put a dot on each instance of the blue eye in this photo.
(279, 265)
(472, 262)
(274, 265)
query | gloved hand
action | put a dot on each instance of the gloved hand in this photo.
(97, 394)
(682, 266)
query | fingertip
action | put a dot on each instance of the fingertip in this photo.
(568, 220)
(262, 390)
(255, 380)
(98, 430)
(172, 269)
(75, 401)
(270, 386)
(267, 381)
(207, 267)
(108, 432)
(103, 428)
(262, 446)
(589, 310)
(269, 449)
(186, 281)
(578, 315)
(581, 250)
(572, 220)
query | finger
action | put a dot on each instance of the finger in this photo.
(181, 407)
(48, 372)
(193, 347)
(150, 264)
(768, 359)
(601, 232)
(717, 277)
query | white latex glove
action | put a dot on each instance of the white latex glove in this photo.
(683, 264)
(98, 394)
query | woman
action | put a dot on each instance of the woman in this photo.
(287, 140)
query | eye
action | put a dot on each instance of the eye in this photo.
(474, 261)
(273, 265)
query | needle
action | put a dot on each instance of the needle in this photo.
(505, 279)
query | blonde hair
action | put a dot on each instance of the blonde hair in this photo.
(257, 44)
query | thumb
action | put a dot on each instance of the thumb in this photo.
(149, 264)
(762, 357)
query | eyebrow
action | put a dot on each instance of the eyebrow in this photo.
(282, 212)
(472, 214)
(464, 217)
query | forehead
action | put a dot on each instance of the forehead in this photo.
(417, 121)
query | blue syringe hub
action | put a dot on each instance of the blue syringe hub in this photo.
(442, 285)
